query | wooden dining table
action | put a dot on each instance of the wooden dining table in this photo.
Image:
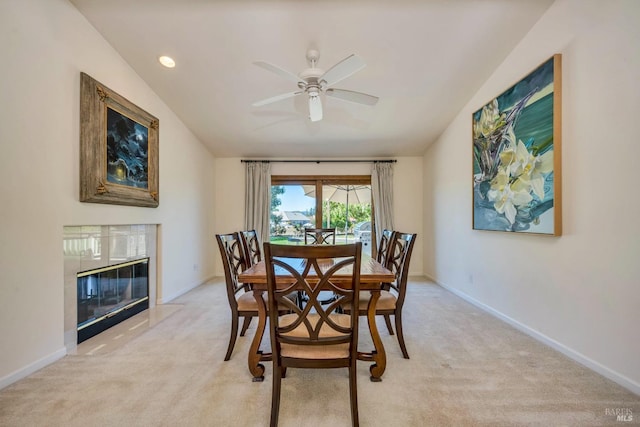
(373, 276)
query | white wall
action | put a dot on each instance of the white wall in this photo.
(578, 292)
(44, 45)
(407, 191)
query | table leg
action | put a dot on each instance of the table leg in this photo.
(255, 355)
(379, 355)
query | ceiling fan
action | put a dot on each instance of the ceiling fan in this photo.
(314, 81)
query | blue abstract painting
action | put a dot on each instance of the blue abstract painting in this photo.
(515, 144)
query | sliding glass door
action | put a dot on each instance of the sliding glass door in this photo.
(340, 202)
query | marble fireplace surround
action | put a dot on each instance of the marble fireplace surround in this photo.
(88, 247)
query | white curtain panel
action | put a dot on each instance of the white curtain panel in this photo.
(382, 193)
(258, 198)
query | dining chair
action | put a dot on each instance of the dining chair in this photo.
(253, 255)
(251, 246)
(382, 253)
(392, 296)
(241, 299)
(316, 336)
(319, 236)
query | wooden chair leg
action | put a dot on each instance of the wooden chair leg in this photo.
(387, 319)
(232, 338)
(275, 394)
(245, 325)
(403, 346)
(353, 390)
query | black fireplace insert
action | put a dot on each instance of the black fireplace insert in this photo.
(109, 295)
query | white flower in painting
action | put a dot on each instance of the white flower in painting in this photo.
(507, 158)
(505, 198)
(528, 170)
(490, 120)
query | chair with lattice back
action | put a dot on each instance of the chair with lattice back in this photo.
(251, 246)
(393, 294)
(241, 299)
(253, 254)
(382, 253)
(316, 336)
(382, 256)
(319, 236)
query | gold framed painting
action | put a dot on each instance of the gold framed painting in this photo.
(118, 148)
(517, 156)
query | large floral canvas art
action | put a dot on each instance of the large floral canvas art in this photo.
(516, 156)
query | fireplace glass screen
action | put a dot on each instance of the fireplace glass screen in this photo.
(109, 295)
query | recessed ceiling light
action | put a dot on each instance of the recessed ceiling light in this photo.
(167, 61)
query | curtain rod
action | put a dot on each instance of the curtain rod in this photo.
(318, 161)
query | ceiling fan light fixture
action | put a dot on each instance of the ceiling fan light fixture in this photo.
(315, 108)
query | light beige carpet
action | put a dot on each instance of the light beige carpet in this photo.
(467, 368)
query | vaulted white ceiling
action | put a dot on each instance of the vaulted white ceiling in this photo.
(425, 59)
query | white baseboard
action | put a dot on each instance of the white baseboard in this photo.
(618, 378)
(31, 368)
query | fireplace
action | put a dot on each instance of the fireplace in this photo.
(94, 250)
(109, 295)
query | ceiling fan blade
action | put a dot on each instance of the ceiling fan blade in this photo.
(279, 71)
(349, 95)
(315, 108)
(343, 69)
(276, 98)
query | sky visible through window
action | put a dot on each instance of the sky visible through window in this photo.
(294, 199)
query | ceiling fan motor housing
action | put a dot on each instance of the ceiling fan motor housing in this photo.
(311, 84)
(311, 74)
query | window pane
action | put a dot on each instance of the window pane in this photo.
(345, 207)
(292, 209)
